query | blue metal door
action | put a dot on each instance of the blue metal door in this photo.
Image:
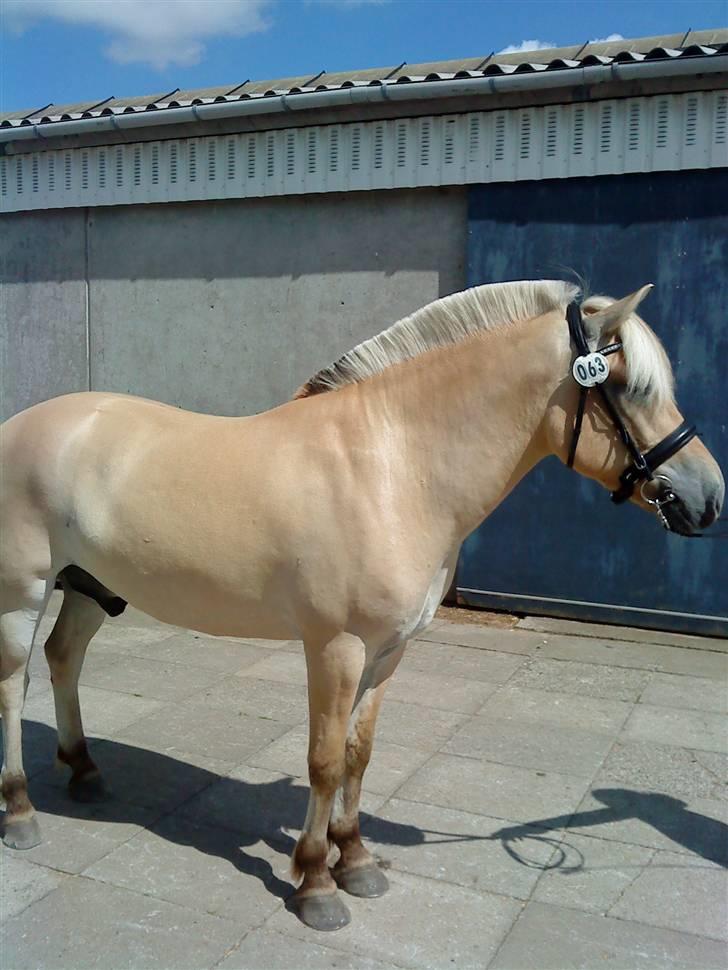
(670, 229)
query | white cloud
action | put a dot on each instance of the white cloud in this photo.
(527, 45)
(156, 32)
(606, 40)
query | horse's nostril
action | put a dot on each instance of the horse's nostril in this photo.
(712, 508)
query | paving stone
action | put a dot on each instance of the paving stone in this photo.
(488, 666)
(103, 711)
(501, 791)
(701, 730)
(22, 883)
(418, 924)
(409, 726)
(546, 746)
(390, 766)
(458, 847)
(642, 656)
(604, 631)
(148, 777)
(76, 835)
(85, 924)
(484, 637)
(275, 951)
(657, 820)
(555, 938)
(196, 650)
(203, 868)
(444, 692)
(150, 678)
(287, 703)
(584, 679)
(536, 707)
(679, 893)
(281, 666)
(695, 693)
(665, 768)
(195, 726)
(590, 873)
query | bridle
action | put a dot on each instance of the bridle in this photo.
(591, 370)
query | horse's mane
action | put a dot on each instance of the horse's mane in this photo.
(441, 323)
(452, 319)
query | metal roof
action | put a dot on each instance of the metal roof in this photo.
(694, 44)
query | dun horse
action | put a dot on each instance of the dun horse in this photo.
(334, 519)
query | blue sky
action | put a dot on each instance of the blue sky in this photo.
(76, 50)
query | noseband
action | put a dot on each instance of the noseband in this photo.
(591, 371)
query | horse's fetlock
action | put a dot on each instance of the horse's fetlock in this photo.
(15, 795)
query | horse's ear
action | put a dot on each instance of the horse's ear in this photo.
(609, 318)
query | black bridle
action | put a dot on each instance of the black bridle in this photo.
(643, 464)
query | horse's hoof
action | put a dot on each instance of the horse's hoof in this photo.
(90, 789)
(324, 913)
(365, 881)
(24, 834)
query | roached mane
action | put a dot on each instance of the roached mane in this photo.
(439, 324)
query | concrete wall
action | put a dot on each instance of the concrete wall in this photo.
(223, 307)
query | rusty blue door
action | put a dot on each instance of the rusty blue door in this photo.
(617, 233)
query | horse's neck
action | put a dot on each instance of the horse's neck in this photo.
(473, 416)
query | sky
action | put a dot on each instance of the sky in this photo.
(62, 51)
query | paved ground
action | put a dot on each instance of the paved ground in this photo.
(544, 797)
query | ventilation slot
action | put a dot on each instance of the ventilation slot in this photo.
(34, 174)
(311, 155)
(500, 138)
(102, 170)
(173, 164)
(192, 161)
(473, 138)
(401, 155)
(67, 171)
(84, 170)
(578, 145)
(721, 119)
(378, 146)
(425, 139)
(552, 121)
(251, 158)
(334, 150)
(155, 164)
(356, 149)
(663, 109)
(19, 174)
(3, 176)
(524, 147)
(633, 128)
(291, 153)
(605, 130)
(230, 170)
(211, 161)
(119, 167)
(691, 121)
(137, 165)
(449, 155)
(270, 162)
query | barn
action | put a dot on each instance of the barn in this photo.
(214, 248)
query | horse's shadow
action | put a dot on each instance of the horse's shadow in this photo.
(223, 816)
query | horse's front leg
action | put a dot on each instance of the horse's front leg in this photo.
(334, 672)
(357, 872)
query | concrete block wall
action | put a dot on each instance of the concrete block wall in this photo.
(223, 307)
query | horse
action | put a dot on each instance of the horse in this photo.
(334, 519)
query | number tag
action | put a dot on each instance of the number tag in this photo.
(590, 369)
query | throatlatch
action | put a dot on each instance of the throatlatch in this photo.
(591, 369)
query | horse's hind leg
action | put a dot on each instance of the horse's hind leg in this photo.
(17, 631)
(357, 872)
(78, 620)
(334, 671)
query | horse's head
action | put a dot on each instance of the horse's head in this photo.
(631, 416)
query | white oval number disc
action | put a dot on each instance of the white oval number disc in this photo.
(590, 369)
